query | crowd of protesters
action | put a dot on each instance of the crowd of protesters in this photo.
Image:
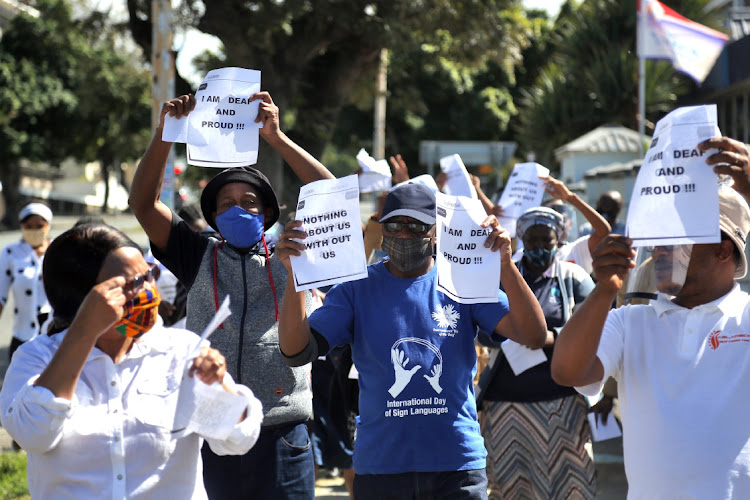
(99, 330)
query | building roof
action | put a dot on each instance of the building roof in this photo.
(610, 138)
(614, 168)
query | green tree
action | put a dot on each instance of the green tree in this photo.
(66, 90)
(592, 76)
(314, 55)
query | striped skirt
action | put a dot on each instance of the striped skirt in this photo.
(539, 450)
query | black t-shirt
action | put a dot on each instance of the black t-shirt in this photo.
(535, 384)
(185, 249)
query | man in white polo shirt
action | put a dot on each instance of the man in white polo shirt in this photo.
(682, 364)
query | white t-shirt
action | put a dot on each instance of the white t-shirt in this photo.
(577, 252)
(683, 377)
(114, 439)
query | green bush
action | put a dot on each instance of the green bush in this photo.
(13, 476)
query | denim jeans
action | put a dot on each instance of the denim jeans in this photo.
(279, 466)
(462, 484)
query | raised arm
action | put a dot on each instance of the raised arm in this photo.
(574, 361)
(486, 202)
(733, 159)
(601, 227)
(525, 322)
(294, 330)
(153, 215)
(307, 168)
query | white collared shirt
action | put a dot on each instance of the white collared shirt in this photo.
(21, 273)
(683, 378)
(114, 439)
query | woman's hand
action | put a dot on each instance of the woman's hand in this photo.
(102, 307)
(209, 365)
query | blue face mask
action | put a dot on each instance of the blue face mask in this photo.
(540, 258)
(239, 227)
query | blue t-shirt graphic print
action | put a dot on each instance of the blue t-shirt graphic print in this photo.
(414, 350)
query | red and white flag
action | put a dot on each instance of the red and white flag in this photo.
(692, 47)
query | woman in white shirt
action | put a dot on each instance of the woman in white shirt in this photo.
(21, 274)
(93, 401)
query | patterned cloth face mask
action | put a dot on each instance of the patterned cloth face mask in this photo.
(407, 254)
(140, 313)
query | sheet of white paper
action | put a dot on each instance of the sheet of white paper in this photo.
(675, 183)
(223, 313)
(376, 174)
(221, 130)
(371, 165)
(425, 180)
(524, 190)
(602, 432)
(335, 250)
(175, 129)
(207, 410)
(521, 358)
(459, 181)
(467, 272)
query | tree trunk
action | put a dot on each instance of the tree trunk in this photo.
(10, 176)
(105, 166)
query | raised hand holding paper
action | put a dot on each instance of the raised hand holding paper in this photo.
(334, 248)
(675, 183)
(459, 182)
(376, 174)
(221, 131)
(524, 190)
(467, 272)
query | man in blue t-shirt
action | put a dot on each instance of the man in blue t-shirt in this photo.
(414, 350)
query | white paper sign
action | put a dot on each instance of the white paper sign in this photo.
(335, 250)
(675, 183)
(221, 131)
(601, 431)
(459, 181)
(524, 190)
(521, 358)
(376, 174)
(209, 411)
(424, 179)
(467, 272)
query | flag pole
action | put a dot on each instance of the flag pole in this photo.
(642, 26)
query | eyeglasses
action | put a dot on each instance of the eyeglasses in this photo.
(414, 227)
(151, 275)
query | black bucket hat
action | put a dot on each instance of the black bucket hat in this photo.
(248, 175)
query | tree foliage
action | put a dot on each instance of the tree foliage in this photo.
(314, 56)
(592, 75)
(66, 90)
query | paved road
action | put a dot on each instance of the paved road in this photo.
(608, 454)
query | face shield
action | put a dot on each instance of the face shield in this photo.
(657, 269)
(569, 221)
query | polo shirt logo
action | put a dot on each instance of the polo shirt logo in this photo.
(715, 339)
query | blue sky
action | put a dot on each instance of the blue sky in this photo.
(552, 6)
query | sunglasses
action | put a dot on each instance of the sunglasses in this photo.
(414, 227)
(151, 275)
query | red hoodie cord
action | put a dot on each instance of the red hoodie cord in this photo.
(270, 279)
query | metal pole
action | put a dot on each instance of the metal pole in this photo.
(378, 140)
(642, 27)
(162, 62)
